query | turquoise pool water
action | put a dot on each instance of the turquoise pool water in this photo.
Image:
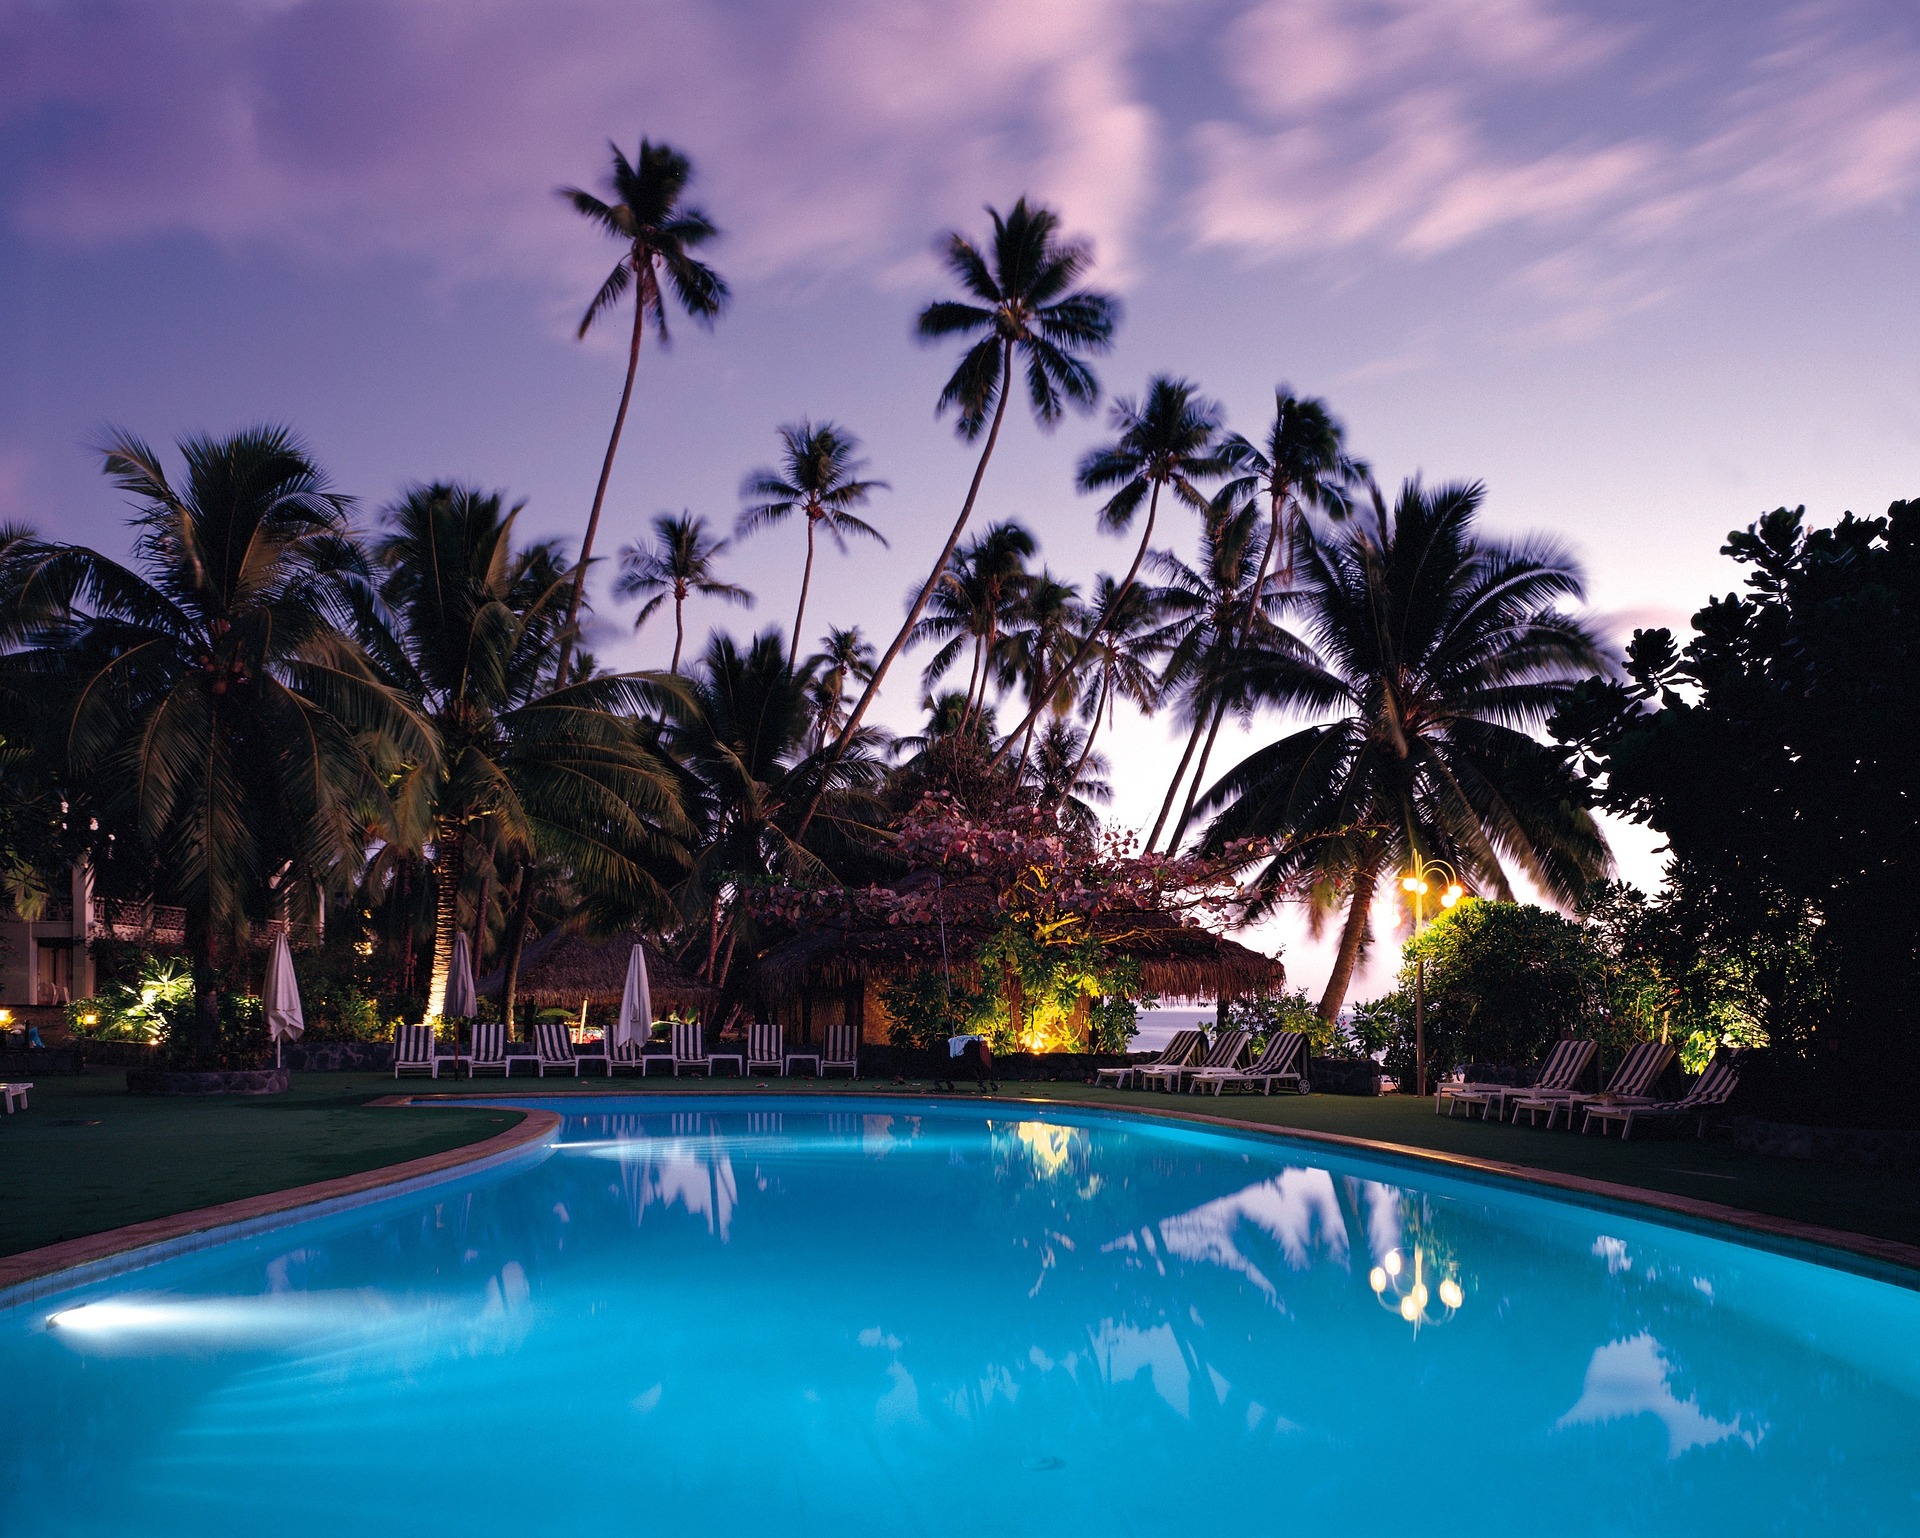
(857, 1317)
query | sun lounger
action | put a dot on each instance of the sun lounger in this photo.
(766, 1048)
(1632, 1078)
(690, 1048)
(1710, 1091)
(553, 1048)
(842, 1050)
(1285, 1059)
(1561, 1071)
(415, 1051)
(1180, 1049)
(14, 1097)
(487, 1053)
(1229, 1050)
(632, 1055)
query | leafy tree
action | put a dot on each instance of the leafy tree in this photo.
(1434, 650)
(1022, 301)
(1067, 775)
(1165, 442)
(975, 601)
(659, 234)
(1042, 622)
(818, 479)
(1124, 626)
(679, 565)
(1778, 753)
(207, 694)
(844, 660)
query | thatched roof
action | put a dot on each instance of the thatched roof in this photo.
(561, 968)
(1176, 960)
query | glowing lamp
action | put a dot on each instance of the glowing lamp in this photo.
(1377, 1279)
(1450, 1293)
(1392, 1262)
(1452, 895)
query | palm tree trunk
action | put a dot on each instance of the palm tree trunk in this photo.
(600, 491)
(1173, 789)
(1199, 777)
(1093, 636)
(1352, 937)
(806, 578)
(926, 590)
(973, 682)
(516, 945)
(449, 858)
(678, 633)
(1093, 731)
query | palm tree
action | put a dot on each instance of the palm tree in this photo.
(1021, 302)
(658, 233)
(1436, 651)
(845, 658)
(974, 601)
(469, 627)
(1067, 775)
(818, 477)
(679, 565)
(1302, 466)
(1166, 440)
(1207, 607)
(1125, 628)
(1041, 638)
(207, 696)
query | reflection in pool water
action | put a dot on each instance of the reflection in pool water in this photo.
(889, 1317)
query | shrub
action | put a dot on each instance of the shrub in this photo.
(136, 1010)
(1285, 1010)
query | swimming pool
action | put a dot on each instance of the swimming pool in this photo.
(849, 1317)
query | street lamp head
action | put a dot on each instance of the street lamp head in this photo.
(1452, 895)
(1414, 884)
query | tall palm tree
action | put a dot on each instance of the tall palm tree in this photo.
(1301, 466)
(678, 566)
(1042, 637)
(845, 658)
(468, 625)
(207, 696)
(1207, 606)
(1167, 440)
(1436, 651)
(658, 233)
(1127, 645)
(1022, 303)
(974, 602)
(818, 478)
(1068, 776)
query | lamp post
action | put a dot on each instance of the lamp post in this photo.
(1421, 879)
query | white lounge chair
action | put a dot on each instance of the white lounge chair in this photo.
(842, 1050)
(766, 1048)
(14, 1097)
(1285, 1059)
(1229, 1050)
(1179, 1049)
(415, 1051)
(690, 1048)
(553, 1048)
(1562, 1070)
(1632, 1078)
(631, 1055)
(487, 1052)
(1710, 1091)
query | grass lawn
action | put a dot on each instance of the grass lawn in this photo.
(132, 1158)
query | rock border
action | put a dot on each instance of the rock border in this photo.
(221, 1081)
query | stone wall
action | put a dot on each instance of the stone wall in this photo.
(1827, 1145)
(234, 1081)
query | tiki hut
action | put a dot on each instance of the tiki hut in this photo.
(564, 969)
(833, 973)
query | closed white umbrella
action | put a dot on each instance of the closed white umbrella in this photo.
(460, 1002)
(636, 1004)
(285, 1022)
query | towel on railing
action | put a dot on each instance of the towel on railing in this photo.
(958, 1044)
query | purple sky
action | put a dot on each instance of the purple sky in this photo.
(1646, 269)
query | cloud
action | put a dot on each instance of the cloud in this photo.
(831, 136)
(1632, 1377)
(1617, 162)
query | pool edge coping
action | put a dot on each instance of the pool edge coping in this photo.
(32, 1274)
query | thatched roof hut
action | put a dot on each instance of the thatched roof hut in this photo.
(1176, 960)
(563, 967)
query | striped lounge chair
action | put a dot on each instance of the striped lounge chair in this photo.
(414, 1051)
(1179, 1049)
(631, 1056)
(766, 1048)
(1632, 1078)
(553, 1048)
(1710, 1091)
(1285, 1059)
(690, 1048)
(1561, 1071)
(487, 1051)
(1229, 1050)
(841, 1051)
